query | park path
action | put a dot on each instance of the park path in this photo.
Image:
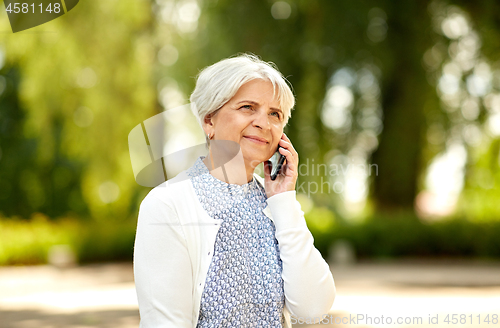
(103, 295)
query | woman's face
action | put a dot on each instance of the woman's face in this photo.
(252, 118)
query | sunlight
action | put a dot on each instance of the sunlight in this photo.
(444, 182)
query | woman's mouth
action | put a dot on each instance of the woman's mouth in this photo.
(256, 140)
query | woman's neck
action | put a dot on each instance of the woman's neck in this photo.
(234, 171)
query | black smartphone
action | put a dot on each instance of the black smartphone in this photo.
(277, 161)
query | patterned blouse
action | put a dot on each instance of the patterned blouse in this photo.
(244, 287)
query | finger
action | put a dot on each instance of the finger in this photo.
(288, 146)
(286, 140)
(288, 155)
(285, 144)
(285, 137)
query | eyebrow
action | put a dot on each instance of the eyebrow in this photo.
(254, 103)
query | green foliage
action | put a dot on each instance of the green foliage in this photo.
(76, 86)
(479, 199)
(107, 242)
(29, 242)
(29, 186)
(408, 236)
(80, 84)
(320, 219)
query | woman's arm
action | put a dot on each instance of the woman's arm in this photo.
(162, 268)
(308, 282)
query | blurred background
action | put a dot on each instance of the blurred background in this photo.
(397, 124)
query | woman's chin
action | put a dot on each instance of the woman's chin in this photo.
(255, 158)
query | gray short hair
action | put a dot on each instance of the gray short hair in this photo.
(218, 83)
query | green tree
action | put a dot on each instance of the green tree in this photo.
(85, 80)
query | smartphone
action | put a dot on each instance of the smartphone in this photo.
(277, 161)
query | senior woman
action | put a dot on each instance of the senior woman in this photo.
(211, 253)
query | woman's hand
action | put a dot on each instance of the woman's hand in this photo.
(287, 178)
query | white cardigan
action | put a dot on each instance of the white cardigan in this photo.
(173, 250)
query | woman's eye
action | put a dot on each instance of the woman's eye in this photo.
(277, 114)
(247, 107)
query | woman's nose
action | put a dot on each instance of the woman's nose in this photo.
(261, 119)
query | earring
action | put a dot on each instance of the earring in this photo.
(208, 138)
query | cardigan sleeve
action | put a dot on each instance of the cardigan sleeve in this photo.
(162, 267)
(308, 282)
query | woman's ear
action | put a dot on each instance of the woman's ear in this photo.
(208, 123)
(208, 119)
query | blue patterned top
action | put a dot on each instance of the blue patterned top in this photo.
(244, 287)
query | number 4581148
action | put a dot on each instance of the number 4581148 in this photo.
(24, 8)
(470, 319)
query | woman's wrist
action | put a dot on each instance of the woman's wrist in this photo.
(286, 210)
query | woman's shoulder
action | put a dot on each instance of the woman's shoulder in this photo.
(169, 192)
(165, 203)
